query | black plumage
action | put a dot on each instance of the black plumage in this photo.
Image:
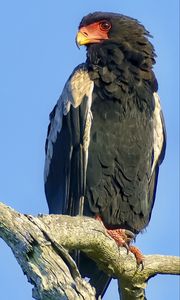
(106, 137)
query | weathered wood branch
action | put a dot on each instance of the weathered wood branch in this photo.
(40, 246)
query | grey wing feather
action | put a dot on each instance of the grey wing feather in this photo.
(71, 113)
(159, 149)
(159, 133)
(77, 86)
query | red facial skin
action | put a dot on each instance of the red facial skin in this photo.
(96, 32)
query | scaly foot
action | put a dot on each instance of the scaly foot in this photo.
(123, 238)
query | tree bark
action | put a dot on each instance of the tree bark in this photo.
(41, 244)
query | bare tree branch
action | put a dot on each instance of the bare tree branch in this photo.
(40, 246)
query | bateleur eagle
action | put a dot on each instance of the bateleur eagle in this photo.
(106, 137)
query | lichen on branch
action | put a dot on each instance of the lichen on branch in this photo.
(40, 245)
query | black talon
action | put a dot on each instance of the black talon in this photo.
(127, 247)
(130, 234)
(142, 265)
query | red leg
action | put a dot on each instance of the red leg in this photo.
(119, 236)
(138, 255)
(123, 238)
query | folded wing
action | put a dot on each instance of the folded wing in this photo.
(67, 145)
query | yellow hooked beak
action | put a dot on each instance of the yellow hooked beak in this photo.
(88, 35)
(82, 39)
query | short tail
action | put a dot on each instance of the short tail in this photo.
(98, 279)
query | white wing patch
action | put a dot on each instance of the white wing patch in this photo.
(78, 85)
(87, 130)
(76, 88)
(158, 131)
(86, 137)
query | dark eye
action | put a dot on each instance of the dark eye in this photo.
(105, 25)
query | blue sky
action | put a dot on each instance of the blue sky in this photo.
(37, 54)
